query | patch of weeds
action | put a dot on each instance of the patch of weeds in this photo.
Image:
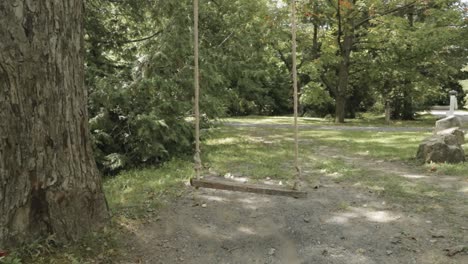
(460, 169)
(343, 205)
(336, 168)
(99, 247)
(140, 191)
(11, 259)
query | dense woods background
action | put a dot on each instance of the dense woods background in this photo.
(354, 56)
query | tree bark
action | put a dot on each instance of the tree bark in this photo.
(408, 110)
(388, 112)
(49, 183)
(340, 103)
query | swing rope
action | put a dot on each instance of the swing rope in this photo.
(296, 103)
(197, 158)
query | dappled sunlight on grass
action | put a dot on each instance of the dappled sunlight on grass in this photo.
(279, 120)
(396, 188)
(394, 145)
(365, 119)
(249, 155)
(223, 141)
(389, 185)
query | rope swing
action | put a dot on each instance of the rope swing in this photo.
(196, 81)
(234, 186)
(296, 102)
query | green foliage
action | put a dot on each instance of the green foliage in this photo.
(316, 100)
(407, 54)
(413, 59)
(138, 109)
(127, 132)
(140, 65)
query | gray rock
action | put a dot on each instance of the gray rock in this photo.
(441, 148)
(446, 123)
(455, 131)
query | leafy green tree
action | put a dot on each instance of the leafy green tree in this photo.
(415, 57)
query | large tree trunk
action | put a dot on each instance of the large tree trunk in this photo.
(48, 178)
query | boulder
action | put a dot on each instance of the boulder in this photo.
(459, 134)
(441, 148)
(446, 123)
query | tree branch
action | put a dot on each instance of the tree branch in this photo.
(226, 39)
(141, 39)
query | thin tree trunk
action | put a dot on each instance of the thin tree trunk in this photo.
(407, 110)
(340, 102)
(388, 111)
(49, 182)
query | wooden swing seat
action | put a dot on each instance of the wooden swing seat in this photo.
(224, 184)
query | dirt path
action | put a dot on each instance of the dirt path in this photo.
(336, 223)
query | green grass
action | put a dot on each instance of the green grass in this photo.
(422, 197)
(387, 145)
(245, 152)
(143, 190)
(378, 145)
(365, 119)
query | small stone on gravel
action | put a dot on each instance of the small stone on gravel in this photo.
(272, 251)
